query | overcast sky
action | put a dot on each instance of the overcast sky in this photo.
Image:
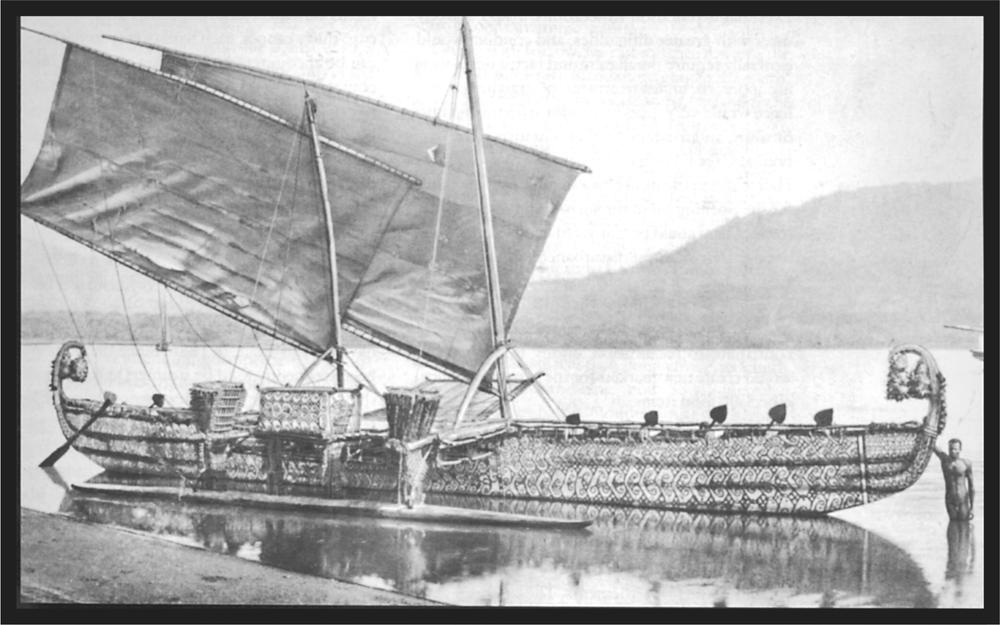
(686, 122)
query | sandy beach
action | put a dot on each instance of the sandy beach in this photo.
(69, 561)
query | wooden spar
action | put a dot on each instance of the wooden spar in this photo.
(965, 328)
(240, 103)
(328, 218)
(486, 214)
(421, 513)
(305, 374)
(345, 94)
(473, 387)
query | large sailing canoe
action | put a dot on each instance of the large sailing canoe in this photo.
(365, 217)
(793, 469)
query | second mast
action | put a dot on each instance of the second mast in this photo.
(486, 213)
(328, 218)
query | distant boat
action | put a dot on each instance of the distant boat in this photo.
(164, 344)
(978, 352)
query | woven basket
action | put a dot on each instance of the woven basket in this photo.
(217, 403)
(309, 411)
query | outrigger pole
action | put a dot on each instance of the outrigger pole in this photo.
(486, 214)
(337, 346)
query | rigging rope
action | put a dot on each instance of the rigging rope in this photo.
(453, 87)
(166, 357)
(131, 332)
(263, 255)
(298, 358)
(173, 380)
(65, 300)
(288, 237)
(542, 391)
(207, 344)
(968, 410)
(363, 381)
(267, 361)
(452, 91)
(121, 289)
(367, 382)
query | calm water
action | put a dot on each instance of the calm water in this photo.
(897, 552)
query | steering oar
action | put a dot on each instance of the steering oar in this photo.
(109, 398)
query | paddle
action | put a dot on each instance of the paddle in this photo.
(109, 398)
(718, 414)
(57, 478)
(824, 418)
(777, 414)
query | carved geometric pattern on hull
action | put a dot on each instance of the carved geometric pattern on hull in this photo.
(784, 473)
(797, 474)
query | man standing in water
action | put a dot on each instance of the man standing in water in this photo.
(959, 492)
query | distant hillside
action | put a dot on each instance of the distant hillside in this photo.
(852, 269)
(214, 328)
(195, 328)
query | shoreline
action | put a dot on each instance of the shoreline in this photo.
(65, 560)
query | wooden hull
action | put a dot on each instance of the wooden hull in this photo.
(126, 441)
(789, 473)
(795, 470)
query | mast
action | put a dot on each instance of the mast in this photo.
(328, 218)
(486, 214)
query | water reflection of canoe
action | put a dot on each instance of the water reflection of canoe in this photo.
(823, 557)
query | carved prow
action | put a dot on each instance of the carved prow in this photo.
(70, 362)
(914, 374)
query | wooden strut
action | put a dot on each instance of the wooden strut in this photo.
(305, 374)
(470, 392)
(328, 215)
(486, 215)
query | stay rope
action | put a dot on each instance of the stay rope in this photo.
(208, 345)
(547, 398)
(451, 92)
(131, 331)
(365, 381)
(293, 150)
(288, 239)
(111, 234)
(453, 87)
(968, 410)
(69, 309)
(173, 380)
